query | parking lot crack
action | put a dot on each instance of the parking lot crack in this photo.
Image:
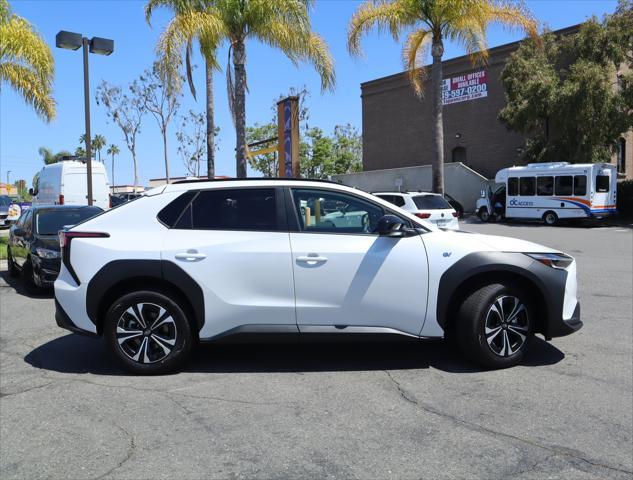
(130, 451)
(407, 396)
(25, 390)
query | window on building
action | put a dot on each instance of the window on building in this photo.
(622, 156)
(602, 183)
(563, 185)
(545, 186)
(580, 185)
(231, 209)
(527, 186)
(513, 186)
(459, 155)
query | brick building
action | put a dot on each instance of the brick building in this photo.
(397, 126)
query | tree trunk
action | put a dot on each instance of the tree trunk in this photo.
(113, 184)
(239, 59)
(210, 125)
(438, 123)
(164, 132)
(135, 171)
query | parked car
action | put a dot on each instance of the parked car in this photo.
(33, 249)
(458, 207)
(223, 260)
(64, 183)
(427, 206)
(5, 205)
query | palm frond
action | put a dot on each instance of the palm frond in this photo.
(31, 86)
(20, 44)
(415, 49)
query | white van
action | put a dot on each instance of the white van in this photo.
(551, 191)
(65, 183)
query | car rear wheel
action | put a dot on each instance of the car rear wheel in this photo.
(495, 325)
(11, 266)
(148, 332)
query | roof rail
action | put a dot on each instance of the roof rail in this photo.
(200, 180)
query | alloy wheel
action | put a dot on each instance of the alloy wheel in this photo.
(507, 325)
(146, 332)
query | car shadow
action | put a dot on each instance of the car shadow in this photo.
(18, 285)
(75, 354)
(571, 223)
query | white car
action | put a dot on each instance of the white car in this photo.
(223, 260)
(427, 206)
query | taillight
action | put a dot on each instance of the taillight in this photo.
(61, 199)
(65, 238)
(109, 201)
(455, 214)
(422, 215)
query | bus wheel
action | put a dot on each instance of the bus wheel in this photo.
(550, 218)
(484, 216)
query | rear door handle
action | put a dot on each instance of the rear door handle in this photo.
(312, 259)
(190, 256)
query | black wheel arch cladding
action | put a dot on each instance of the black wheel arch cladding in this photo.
(548, 282)
(153, 273)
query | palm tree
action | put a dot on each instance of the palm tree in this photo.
(180, 27)
(283, 24)
(98, 142)
(430, 22)
(26, 62)
(49, 157)
(113, 150)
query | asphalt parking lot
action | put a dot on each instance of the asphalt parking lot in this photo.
(342, 411)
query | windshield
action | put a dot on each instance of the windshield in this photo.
(5, 201)
(50, 222)
(430, 202)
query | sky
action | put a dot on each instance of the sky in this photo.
(269, 75)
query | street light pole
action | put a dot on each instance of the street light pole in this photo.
(85, 42)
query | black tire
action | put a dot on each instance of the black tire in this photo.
(483, 336)
(152, 358)
(483, 214)
(550, 218)
(11, 266)
(28, 277)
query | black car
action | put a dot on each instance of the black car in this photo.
(33, 248)
(455, 204)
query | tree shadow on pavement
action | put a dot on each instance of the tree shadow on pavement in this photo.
(76, 354)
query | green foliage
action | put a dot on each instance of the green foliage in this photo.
(569, 94)
(49, 157)
(625, 198)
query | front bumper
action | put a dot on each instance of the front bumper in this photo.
(46, 269)
(561, 327)
(63, 320)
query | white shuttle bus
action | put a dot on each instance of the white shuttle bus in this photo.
(64, 183)
(551, 191)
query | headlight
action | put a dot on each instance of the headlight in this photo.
(554, 260)
(46, 253)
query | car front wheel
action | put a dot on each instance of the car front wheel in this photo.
(495, 325)
(148, 332)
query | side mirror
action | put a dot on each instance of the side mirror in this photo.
(19, 231)
(31, 192)
(390, 226)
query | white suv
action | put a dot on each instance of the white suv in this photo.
(432, 207)
(263, 259)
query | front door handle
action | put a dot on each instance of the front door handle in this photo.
(190, 256)
(312, 259)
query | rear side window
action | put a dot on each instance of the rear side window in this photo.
(431, 202)
(171, 213)
(580, 185)
(513, 186)
(602, 183)
(527, 186)
(564, 185)
(250, 209)
(545, 186)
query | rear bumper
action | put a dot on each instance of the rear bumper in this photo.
(63, 320)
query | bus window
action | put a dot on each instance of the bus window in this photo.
(580, 185)
(602, 183)
(564, 185)
(527, 186)
(545, 186)
(513, 186)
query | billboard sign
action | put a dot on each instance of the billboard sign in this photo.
(465, 87)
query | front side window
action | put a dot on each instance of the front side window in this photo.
(249, 209)
(563, 185)
(545, 186)
(602, 183)
(527, 186)
(333, 212)
(580, 185)
(513, 186)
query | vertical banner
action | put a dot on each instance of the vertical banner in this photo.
(288, 136)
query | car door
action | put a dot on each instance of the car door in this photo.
(346, 275)
(234, 243)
